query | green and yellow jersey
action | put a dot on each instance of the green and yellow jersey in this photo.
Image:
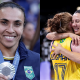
(64, 68)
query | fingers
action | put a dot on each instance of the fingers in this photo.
(73, 41)
(54, 46)
(79, 40)
(52, 50)
(2, 77)
(54, 55)
(76, 41)
(59, 44)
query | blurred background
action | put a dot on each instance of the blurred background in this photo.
(47, 10)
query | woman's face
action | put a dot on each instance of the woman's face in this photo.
(11, 26)
(76, 23)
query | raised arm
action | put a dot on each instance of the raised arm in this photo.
(56, 36)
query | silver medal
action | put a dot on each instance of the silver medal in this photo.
(7, 69)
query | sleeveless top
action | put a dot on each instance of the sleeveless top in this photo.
(64, 68)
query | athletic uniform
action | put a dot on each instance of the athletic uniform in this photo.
(64, 68)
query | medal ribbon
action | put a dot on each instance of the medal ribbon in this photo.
(15, 61)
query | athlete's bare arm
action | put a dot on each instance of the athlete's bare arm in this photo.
(74, 56)
(56, 36)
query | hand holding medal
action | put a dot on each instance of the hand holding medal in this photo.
(7, 70)
(2, 77)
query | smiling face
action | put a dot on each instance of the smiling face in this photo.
(11, 26)
(76, 23)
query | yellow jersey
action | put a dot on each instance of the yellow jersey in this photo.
(64, 68)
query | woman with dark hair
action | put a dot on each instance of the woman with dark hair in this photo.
(16, 62)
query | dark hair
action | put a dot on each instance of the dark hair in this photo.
(13, 5)
(78, 11)
(59, 22)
